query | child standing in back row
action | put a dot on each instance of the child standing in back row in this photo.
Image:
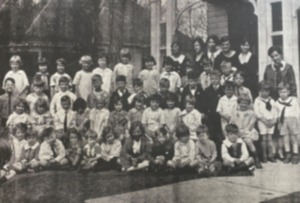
(105, 72)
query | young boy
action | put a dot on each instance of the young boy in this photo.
(227, 105)
(227, 71)
(288, 122)
(138, 90)
(164, 85)
(205, 77)
(234, 152)
(38, 93)
(43, 74)
(60, 72)
(7, 100)
(98, 92)
(105, 72)
(55, 104)
(171, 75)
(121, 93)
(136, 113)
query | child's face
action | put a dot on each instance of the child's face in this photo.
(245, 48)
(154, 104)
(189, 106)
(20, 135)
(14, 65)
(102, 62)
(192, 83)
(73, 139)
(31, 140)
(51, 138)
(80, 110)
(121, 85)
(64, 86)
(244, 105)
(276, 57)
(164, 88)
(184, 139)
(91, 140)
(118, 106)
(207, 68)
(97, 83)
(239, 80)
(232, 137)
(264, 93)
(41, 109)
(202, 136)
(60, 68)
(215, 80)
(138, 105)
(226, 68)
(284, 93)
(225, 46)
(110, 138)
(9, 86)
(149, 65)
(229, 92)
(38, 90)
(161, 139)
(43, 68)
(100, 105)
(170, 104)
(136, 133)
(65, 105)
(20, 108)
(137, 88)
(168, 68)
(124, 59)
(86, 65)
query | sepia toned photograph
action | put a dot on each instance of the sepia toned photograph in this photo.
(149, 101)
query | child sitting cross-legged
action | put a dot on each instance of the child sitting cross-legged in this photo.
(74, 150)
(234, 152)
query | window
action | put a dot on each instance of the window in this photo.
(276, 26)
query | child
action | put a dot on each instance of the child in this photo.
(74, 151)
(227, 71)
(64, 119)
(38, 93)
(227, 104)
(136, 113)
(205, 77)
(164, 86)
(111, 148)
(20, 77)
(153, 117)
(121, 93)
(99, 117)
(19, 141)
(52, 151)
(29, 160)
(206, 153)
(138, 90)
(105, 72)
(60, 72)
(266, 114)
(124, 68)
(193, 89)
(118, 120)
(83, 78)
(191, 117)
(82, 114)
(55, 104)
(288, 122)
(136, 149)
(234, 152)
(239, 78)
(149, 76)
(20, 115)
(7, 100)
(245, 119)
(162, 151)
(171, 115)
(97, 92)
(184, 149)
(41, 117)
(171, 75)
(91, 152)
(43, 74)
(5, 156)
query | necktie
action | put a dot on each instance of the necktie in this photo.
(288, 104)
(268, 105)
(66, 122)
(53, 150)
(9, 103)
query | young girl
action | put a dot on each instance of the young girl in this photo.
(136, 149)
(83, 78)
(149, 75)
(105, 72)
(111, 148)
(82, 114)
(74, 151)
(118, 120)
(20, 115)
(171, 115)
(136, 113)
(125, 68)
(244, 117)
(41, 117)
(266, 113)
(153, 117)
(20, 77)
(240, 89)
(38, 88)
(191, 117)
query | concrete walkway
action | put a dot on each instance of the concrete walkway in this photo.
(274, 180)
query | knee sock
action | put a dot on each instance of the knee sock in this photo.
(264, 148)
(295, 148)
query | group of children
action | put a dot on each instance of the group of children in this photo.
(158, 121)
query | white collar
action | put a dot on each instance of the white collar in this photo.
(179, 59)
(281, 68)
(32, 147)
(245, 58)
(216, 53)
(227, 143)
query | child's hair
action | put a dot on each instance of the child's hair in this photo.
(10, 79)
(168, 61)
(229, 85)
(106, 131)
(31, 134)
(121, 78)
(37, 82)
(97, 77)
(91, 133)
(224, 39)
(274, 48)
(206, 62)
(225, 61)
(24, 102)
(164, 82)
(172, 97)
(63, 79)
(65, 98)
(42, 61)
(240, 73)
(137, 82)
(79, 104)
(200, 41)
(244, 97)
(264, 85)
(182, 131)
(154, 97)
(232, 128)
(61, 61)
(20, 126)
(86, 58)
(40, 102)
(125, 52)
(74, 131)
(192, 75)
(146, 59)
(284, 85)
(105, 56)
(202, 129)
(137, 124)
(213, 37)
(215, 73)
(162, 131)
(139, 98)
(47, 132)
(118, 101)
(190, 99)
(16, 58)
(5, 152)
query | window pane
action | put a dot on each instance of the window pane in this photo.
(278, 41)
(276, 16)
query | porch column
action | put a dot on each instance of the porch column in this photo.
(170, 19)
(155, 29)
